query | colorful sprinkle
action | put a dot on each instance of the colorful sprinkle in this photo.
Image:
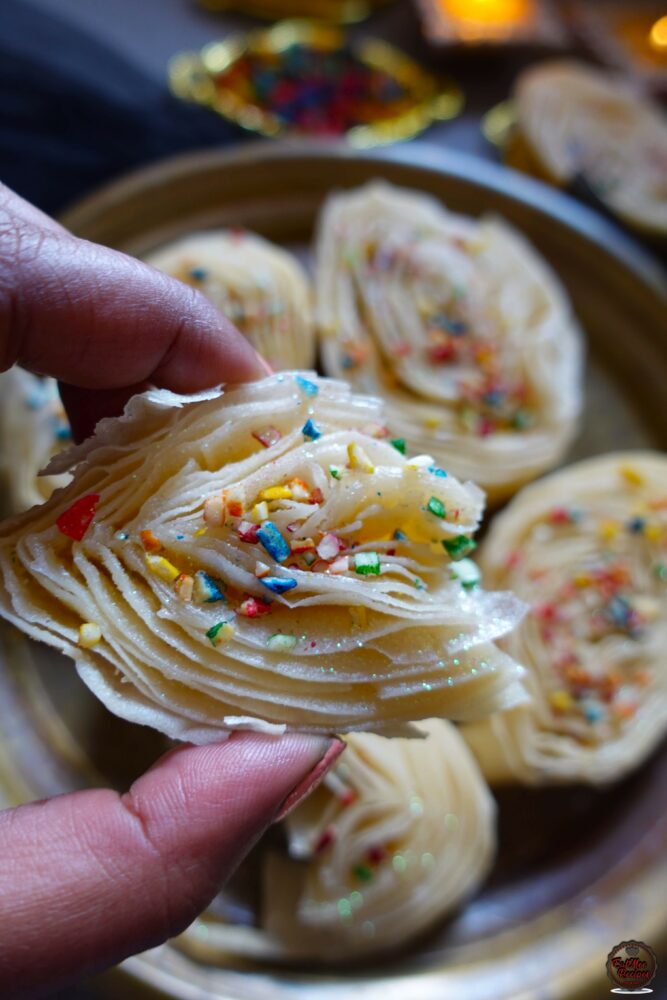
(184, 587)
(149, 541)
(436, 507)
(75, 521)
(631, 475)
(276, 493)
(466, 572)
(251, 607)
(162, 568)
(459, 547)
(214, 511)
(307, 387)
(247, 532)
(310, 431)
(399, 445)
(273, 542)
(221, 632)
(358, 458)
(279, 584)
(335, 471)
(206, 589)
(329, 546)
(367, 563)
(268, 436)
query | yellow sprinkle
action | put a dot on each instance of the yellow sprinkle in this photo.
(631, 475)
(432, 422)
(561, 701)
(200, 531)
(582, 580)
(276, 493)
(162, 568)
(90, 634)
(214, 510)
(358, 458)
(359, 616)
(184, 586)
(652, 532)
(260, 511)
(419, 462)
(609, 530)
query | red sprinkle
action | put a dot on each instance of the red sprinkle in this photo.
(248, 532)
(252, 608)
(376, 855)
(348, 797)
(326, 840)
(75, 521)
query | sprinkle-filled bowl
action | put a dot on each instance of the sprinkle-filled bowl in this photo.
(304, 78)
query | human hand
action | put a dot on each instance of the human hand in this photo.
(89, 878)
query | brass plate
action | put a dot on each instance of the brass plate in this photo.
(578, 869)
(193, 76)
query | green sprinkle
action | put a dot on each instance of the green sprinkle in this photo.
(466, 572)
(367, 563)
(399, 445)
(436, 507)
(660, 570)
(362, 872)
(521, 420)
(344, 909)
(334, 471)
(220, 632)
(459, 547)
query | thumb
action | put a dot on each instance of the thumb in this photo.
(90, 878)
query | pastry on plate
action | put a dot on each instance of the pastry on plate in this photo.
(459, 326)
(260, 287)
(262, 557)
(587, 547)
(399, 834)
(576, 120)
(33, 428)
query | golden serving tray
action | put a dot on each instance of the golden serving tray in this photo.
(578, 869)
(194, 76)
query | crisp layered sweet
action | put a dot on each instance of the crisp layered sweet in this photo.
(580, 120)
(262, 557)
(587, 547)
(33, 428)
(457, 324)
(260, 287)
(396, 837)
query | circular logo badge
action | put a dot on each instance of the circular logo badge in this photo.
(631, 967)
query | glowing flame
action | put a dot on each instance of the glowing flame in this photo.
(492, 13)
(658, 35)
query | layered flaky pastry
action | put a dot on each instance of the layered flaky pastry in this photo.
(578, 120)
(262, 557)
(260, 287)
(588, 548)
(33, 428)
(399, 834)
(457, 324)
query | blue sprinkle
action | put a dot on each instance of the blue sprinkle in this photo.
(179, 538)
(198, 273)
(619, 611)
(208, 588)
(399, 535)
(273, 542)
(63, 433)
(309, 388)
(309, 430)
(636, 525)
(435, 471)
(279, 584)
(592, 713)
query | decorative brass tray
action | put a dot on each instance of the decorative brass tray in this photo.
(227, 77)
(578, 870)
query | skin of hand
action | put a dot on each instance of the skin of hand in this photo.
(89, 878)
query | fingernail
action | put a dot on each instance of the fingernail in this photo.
(312, 780)
(264, 363)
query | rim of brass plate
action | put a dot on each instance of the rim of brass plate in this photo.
(192, 78)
